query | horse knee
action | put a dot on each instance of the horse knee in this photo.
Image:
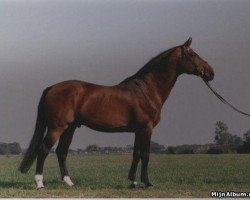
(144, 155)
(136, 154)
(58, 151)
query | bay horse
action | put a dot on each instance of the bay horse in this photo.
(133, 105)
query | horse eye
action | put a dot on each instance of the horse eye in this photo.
(192, 54)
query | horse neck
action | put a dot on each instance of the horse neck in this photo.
(159, 81)
(162, 83)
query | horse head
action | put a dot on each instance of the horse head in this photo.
(192, 63)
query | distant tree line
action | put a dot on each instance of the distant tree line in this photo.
(10, 148)
(95, 149)
(224, 142)
(229, 143)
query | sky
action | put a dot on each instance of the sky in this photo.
(43, 42)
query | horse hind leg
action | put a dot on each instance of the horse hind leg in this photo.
(62, 152)
(48, 142)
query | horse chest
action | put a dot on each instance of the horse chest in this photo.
(147, 113)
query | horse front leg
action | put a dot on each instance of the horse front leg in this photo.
(136, 159)
(144, 154)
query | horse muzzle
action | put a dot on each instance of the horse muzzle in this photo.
(207, 76)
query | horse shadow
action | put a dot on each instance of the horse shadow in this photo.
(28, 185)
(16, 185)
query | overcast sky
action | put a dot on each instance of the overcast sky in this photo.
(43, 42)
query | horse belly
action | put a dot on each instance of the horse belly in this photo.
(113, 117)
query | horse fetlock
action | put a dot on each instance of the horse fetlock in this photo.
(133, 185)
(67, 180)
(134, 182)
(39, 181)
(131, 175)
(148, 185)
(146, 181)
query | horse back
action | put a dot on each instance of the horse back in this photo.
(89, 103)
(103, 108)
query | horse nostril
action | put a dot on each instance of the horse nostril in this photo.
(212, 75)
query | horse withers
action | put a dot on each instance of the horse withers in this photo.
(134, 105)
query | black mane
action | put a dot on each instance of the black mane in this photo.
(151, 64)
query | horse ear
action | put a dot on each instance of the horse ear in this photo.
(188, 42)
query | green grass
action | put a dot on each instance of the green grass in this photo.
(106, 176)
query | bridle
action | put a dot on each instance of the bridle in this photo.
(188, 58)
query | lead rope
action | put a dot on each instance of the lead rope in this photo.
(223, 100)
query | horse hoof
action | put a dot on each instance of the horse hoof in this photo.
(148, 185)
(133, 185)
(67, 180)
(39, 188)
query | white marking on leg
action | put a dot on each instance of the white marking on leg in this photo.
(134, 183)
(39, 181)
(67, 180)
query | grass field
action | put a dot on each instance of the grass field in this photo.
(106, 176)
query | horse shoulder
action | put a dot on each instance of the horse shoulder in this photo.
(145, 112)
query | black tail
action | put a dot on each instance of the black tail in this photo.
(37, 138)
